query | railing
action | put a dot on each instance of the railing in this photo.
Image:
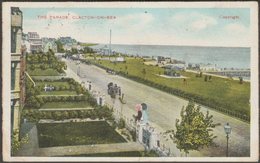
(30, 79)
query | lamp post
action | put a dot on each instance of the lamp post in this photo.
(78, 68)
(227, 129)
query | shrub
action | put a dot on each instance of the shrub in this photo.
(33, 102)
(43, 66)
(40, 100)
(32, 67)
(121, 123)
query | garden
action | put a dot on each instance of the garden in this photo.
(76, 133)
(44, 64)
(65, 93)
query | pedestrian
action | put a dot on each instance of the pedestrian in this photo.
(119, 91)
(89, 86)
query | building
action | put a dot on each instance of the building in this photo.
(120, 59)
(66, 40)
(49, 43)
(67, 47)
(208, 67)
(50, 46)
(172, 69)
(105, 50)
(160, 59)
(18, 52)
(177, 67)
(35, 43)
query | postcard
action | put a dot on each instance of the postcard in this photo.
(130, 81)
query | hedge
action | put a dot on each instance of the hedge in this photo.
(101, 113)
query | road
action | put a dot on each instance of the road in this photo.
(163, 110)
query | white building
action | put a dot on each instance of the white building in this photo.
(120, 59)
(35, 42)
(208, 67)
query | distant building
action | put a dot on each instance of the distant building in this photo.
(168, 60)
(18, 52)
(79, 47)
(67, 47)
(193, 66)
(67, 40)
(177, 67)
(160, 59)
(35, 42)
(105, 50)
(49, 43)
(120, 59)
(208, 67)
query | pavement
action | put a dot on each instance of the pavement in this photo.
(64, 109)
(89, 149)
(30, 148)
(163, 110)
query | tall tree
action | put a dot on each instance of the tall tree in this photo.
(60, 48)
(194, 130)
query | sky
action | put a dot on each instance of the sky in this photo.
(154, 26)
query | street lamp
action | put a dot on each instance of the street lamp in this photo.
(227, 129)
(78, 68)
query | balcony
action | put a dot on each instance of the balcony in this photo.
(15, 94)
(15, 57)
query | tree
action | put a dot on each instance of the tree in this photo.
(16, 143)
(206, 78)
(74, 51)
(210, 77)
(33, 102)
(60, 48)
(200, 74)
(193, 131)
(43, 66)
(144, 72)
(32, 67)
(121, 123)
(240, 80)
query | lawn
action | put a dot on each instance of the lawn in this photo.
(59, 93)
(228, 92)
(80, 104)
(88, 44)
(64, 85)
(76, 133)
(53, 83)
(40, 72)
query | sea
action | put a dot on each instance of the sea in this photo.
(223, 57)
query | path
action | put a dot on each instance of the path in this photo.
(65, 109)
(89, 149)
